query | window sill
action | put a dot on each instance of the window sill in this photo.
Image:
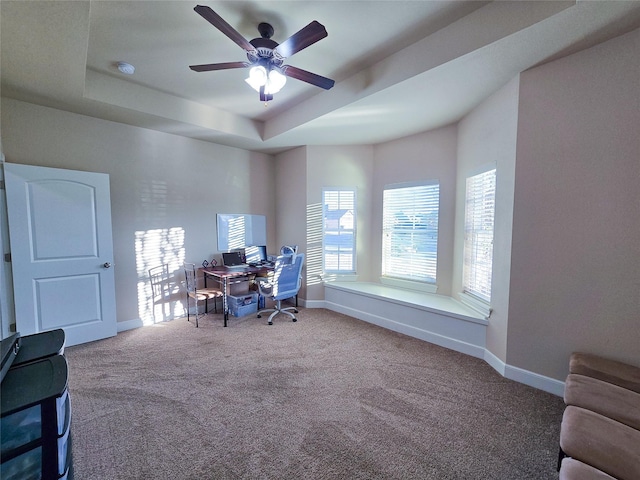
(476, 304)
(438, 304)
(409, 285)
(339, 277)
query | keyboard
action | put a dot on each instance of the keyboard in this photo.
(237, 267)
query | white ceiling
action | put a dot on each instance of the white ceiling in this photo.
(400, 67)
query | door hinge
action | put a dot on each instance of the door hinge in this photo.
(7, 257)
(1, 184)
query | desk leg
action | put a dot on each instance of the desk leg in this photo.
(206, 300)
(225, 305)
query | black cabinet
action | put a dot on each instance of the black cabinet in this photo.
(35, 416)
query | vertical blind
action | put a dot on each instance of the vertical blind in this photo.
(478, 240)
(339, 230)
(410, 231)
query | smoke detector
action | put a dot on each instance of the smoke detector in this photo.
(126, 68)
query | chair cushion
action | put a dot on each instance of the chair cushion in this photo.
(573, 469)
(605, 444)
(604, 398)
(611, 371)
(205, 294)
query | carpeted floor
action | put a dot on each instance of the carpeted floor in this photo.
(328, 397)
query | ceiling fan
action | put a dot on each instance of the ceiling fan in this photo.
(266, 57)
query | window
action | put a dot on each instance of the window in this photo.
(339, 230)
(478, 238)
(410, 231)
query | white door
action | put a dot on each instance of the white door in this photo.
(61, 251)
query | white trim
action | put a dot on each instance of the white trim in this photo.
(479, 208)
(409, 285)
(495, 363)
(338, 277)
(7, 316)
(534, 380)
(480, 169)
(354, 230)
(129, 325)
(478, 305)
(520, 375)
(410, 222)
(417, 183)
(430, 302)
(312, 303)
(427, 336)
(416, 300)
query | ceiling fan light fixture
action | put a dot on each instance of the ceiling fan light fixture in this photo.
(276, 81)
(257, 77)
(272, 82)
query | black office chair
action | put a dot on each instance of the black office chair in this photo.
(285, 283)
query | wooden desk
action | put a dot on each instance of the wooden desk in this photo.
(225, 277)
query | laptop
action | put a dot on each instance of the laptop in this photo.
(233, 261)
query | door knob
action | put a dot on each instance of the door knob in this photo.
(107, 265)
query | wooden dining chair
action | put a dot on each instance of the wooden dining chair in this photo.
(198, 294)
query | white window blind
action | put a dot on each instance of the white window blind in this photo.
(478, 240)
(410, 231)
(339, 230)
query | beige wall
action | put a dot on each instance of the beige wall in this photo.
(575, 274)
(291, 214)
(425, 156)
(331, 167)
(163, 187)
(487, 139)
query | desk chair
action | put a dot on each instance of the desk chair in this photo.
(198, 294)
(285, 283)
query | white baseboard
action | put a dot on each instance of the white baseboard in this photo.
(520, 375)
(312, 303)
(431, 337)
(497, 364)
(535, 380)
(129, 325)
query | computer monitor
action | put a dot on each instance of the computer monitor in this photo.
(232, 259)
(256, 254)
(241, 252)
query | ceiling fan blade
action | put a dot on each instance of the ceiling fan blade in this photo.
(208, 67)
(312, 78)
(302, 39)
(217, 21)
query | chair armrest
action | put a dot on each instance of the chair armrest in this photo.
(264, 286)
